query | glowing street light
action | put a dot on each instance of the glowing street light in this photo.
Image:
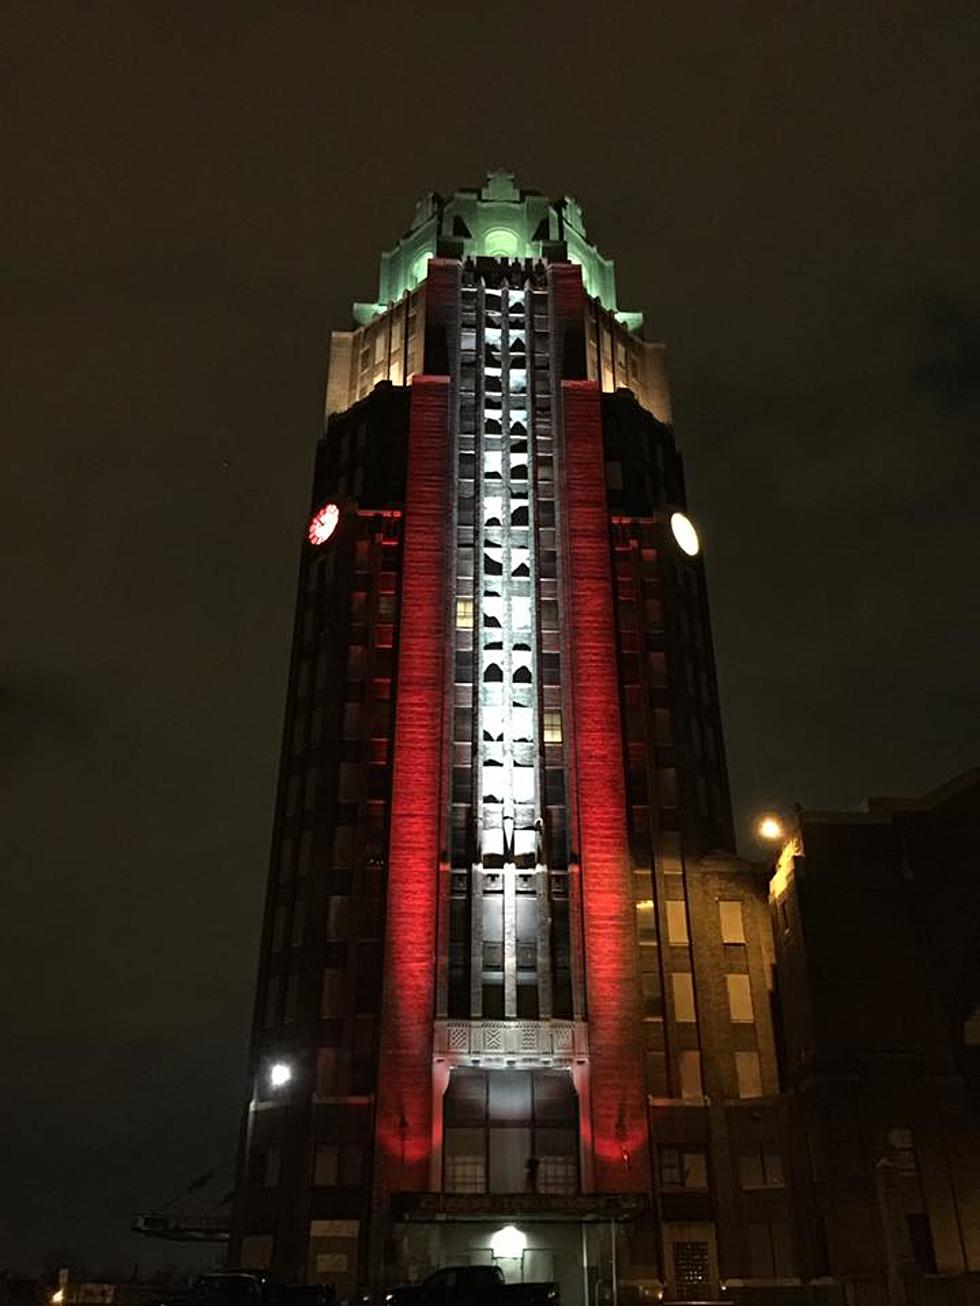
(280, 1074)
(769, 828)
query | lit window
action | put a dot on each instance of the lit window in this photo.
(464, 614)
(645, 922)
(552, 726)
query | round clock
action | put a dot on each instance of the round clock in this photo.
(323, 523)
(684, 533)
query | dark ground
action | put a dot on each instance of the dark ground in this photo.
(195, 193)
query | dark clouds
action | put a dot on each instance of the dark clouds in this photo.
(195, 193)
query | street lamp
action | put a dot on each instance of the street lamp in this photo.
(770, 828)
(280, 1073)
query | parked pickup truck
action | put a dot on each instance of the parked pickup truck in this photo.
(473, 1285)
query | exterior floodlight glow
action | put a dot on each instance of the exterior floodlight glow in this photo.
(770, 829)
(280, 1074)
(684, 533)
(58, 1296)
(508, 1243)
(501, 242)
(420, 268)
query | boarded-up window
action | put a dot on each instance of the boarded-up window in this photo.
(749, 1074)
(256, 1251)
(676, 922)
(739, 999)
(683, 987)
(730, 915)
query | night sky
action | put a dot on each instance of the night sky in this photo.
(194, 194)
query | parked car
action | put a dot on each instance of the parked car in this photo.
(473, 1285)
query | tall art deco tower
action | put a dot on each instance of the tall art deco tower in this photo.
(513, 996)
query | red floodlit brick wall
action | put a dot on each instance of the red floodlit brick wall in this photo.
(619, 1120)
(403, 1123)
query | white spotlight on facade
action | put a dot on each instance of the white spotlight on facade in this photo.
(280, 1074)
(508, 1243)
(684, 533)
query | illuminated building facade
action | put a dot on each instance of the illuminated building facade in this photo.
(512, 973)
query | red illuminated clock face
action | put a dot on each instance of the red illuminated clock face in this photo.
(323, 523)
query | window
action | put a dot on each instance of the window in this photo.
(689, 1064)
(901, 1151)
(683, 986)
(272, 1168)
(338, 916)
(749, 1074)
(510, 1131)
(730, 916)
(335, 996)
(271, 1007)
(552, 726)
(326, 1165)
(740, 999)
(299, 923)
(343, 845)
(692, 1269)
(646, 925)
(467, 1172)
(332, 1072)
(278, 928)
(762, 1167)
(256, 1251)
(292, 999)
(352, 720)
(677, 922)
(682, 1169)
(349, 786)
(920, 1238)
(464, 614)
(770, 1251)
